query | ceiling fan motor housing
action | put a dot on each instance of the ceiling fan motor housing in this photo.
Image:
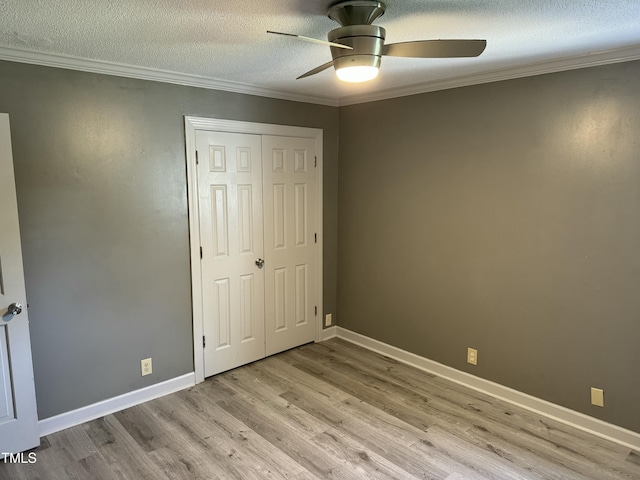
(356, 12)
(367, 42)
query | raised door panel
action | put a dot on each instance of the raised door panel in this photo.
(6, 392)
(248, 308)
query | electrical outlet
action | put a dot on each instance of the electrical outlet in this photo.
(146, 366)
(597, 397)
(472, 356)
(328, 320)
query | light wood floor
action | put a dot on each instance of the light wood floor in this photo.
(327, 411)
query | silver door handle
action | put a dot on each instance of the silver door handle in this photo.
(260, 263)
(14, 309)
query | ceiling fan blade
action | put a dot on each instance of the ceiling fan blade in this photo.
(316, 70)
(312, 40)
(435, 48)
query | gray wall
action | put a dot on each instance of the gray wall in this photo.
(101, 182)
(504, 217)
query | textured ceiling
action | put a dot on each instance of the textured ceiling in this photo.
(227, 40)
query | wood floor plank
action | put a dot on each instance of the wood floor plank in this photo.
(264, 398)
(224, 445)
(58, 463)
(121, 451)
(76, 441)
(97, 468)
(416, 389)
(377, 396)
(358, 461)
(383, 434)
(549, 466)
(286, 438)
(469, 457)
(326, 411)
(183, 464)
(11, 471)
(143, 426)
(429, 385)
(278, 371)
(380, 431)
(212, 388)
(483, 404)
(453, 413)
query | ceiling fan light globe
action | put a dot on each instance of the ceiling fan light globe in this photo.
(357, 73)
(356, 68)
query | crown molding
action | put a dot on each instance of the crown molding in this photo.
(69, 62)
(594, 59)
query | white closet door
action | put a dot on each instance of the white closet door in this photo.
(290, 241)
(230, 201)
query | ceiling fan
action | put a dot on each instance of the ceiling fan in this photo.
(358, 46)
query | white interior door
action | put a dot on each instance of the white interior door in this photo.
(290, 237)
(18, 414)
(230, 201)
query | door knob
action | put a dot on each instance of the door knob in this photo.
(14, 309)
(260, 263)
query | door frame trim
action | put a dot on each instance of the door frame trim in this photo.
(191, 124)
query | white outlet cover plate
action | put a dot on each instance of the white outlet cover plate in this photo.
(597, 397)
(472, 356)
(146, 366)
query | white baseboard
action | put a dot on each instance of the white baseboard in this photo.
(561, 414)
(328, 333)
(111, 405)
